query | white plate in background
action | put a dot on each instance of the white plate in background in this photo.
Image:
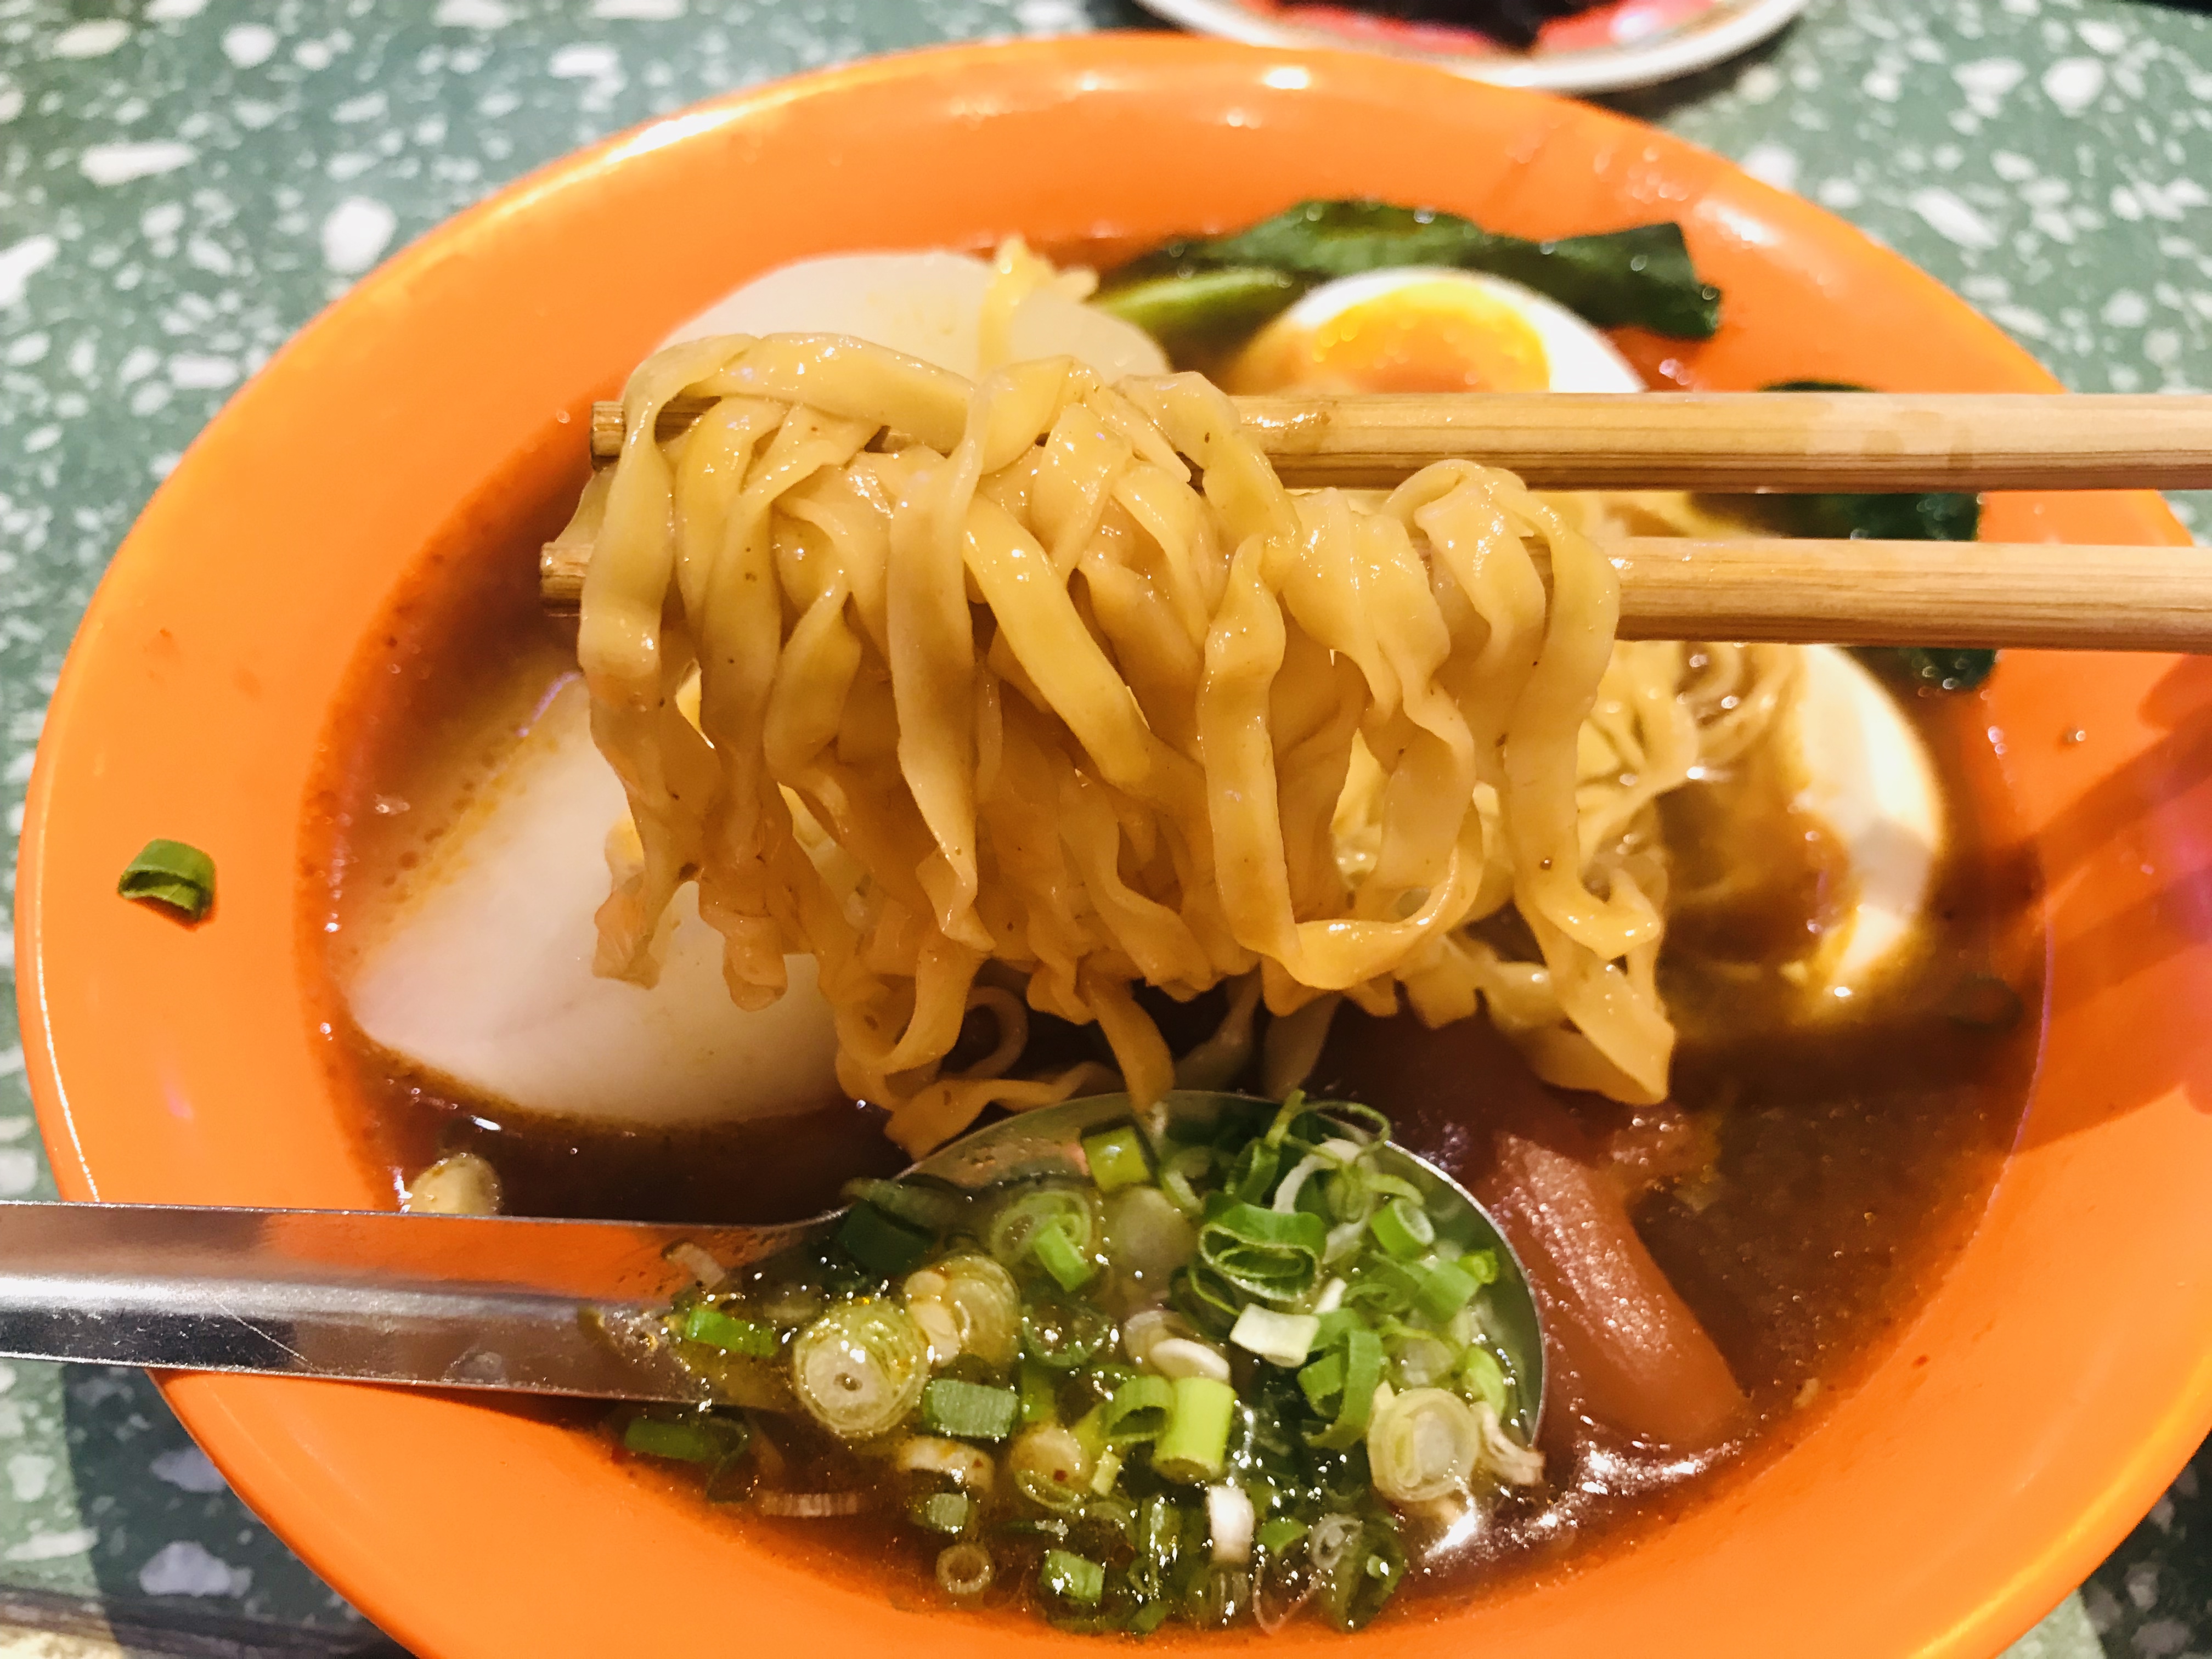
(1620, 44)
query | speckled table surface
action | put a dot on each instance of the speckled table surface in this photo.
(183, 182)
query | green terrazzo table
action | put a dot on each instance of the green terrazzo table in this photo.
(185, 182)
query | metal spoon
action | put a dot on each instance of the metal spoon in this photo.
(510, 1303)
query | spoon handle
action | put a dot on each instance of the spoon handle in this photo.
(448, 1301)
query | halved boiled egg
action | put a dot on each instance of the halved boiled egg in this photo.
(482, 970)
(1870, 778)
(1427, 328)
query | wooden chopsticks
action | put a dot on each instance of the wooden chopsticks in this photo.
(1850, 592)
(1729, 441)
(2042, 594)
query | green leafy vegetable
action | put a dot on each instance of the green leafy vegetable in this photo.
(1640, 276)
(1928, 516)
(1205, 309)
(171, 873)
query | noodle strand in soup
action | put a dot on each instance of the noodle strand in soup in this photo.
(1057, 677)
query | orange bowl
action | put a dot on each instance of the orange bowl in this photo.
(2030, 1410)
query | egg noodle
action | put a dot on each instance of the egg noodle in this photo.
(998, 707)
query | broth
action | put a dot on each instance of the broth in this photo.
(1808, 1194)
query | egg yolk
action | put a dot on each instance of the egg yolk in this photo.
(1426, 336)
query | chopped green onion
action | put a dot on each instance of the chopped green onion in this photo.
(1281, 1339)
(930, 1208)
(860, 1368)
(1064, 1334)
(1252, 1174)
(1177, 1172)
(717, 1329)
(1222, 1592)
(1206, 1299)
(1051, 1465)
(1279, 1534)
(1355, 1392)
(1194, 1447)
(1157, 1541)
(1147, 1238)
(1013, 1229)
(1381, 1286)
(1294, 1107)
(173, 874)
(693, 1440)
(1322, 1381)
(1072, 1578)
(965, 1570)
(943, 1512)
(1040, 1385)
(1265, 1253)
(1403, 1228)
(968, 1411)
(1335, 1325)
(1363, 1120)
(1147, 1618)
(1445, 1288)
(1423, 1445)
(1107, 1471)
(1421, 1357)
(883, 1246)
(1058, 1256)
(1369, 1570)
(968, 1304)
(1139, 1411)
(1483, 1378)
(1116, 1158)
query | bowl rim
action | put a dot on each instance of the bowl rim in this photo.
(259, 1430)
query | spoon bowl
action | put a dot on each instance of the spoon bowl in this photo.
(1048, 1142)
(518, 1304)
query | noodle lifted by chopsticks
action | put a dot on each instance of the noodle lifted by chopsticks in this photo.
(986, 676)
